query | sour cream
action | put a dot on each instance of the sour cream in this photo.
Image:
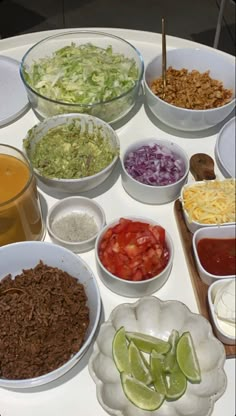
(224, 307)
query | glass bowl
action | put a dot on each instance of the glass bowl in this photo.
(105, 91)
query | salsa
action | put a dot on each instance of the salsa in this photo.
(134, 250)
(218, 255)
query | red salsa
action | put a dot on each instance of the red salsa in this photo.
(217, 255)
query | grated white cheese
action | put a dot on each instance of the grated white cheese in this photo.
(75, 227)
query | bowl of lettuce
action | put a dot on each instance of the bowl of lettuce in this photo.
(82, 71)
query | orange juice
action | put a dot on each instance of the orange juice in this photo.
(20, 212)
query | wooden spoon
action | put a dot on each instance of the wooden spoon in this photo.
(202, 167)
(163, 57)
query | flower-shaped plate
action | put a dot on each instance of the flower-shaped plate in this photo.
(152, 316)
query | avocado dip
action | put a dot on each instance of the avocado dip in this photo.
(70, 152)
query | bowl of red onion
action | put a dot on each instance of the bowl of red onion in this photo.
(154, 171)
(134, 256)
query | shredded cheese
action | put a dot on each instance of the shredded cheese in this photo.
(210, 202)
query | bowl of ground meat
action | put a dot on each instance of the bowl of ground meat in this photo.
(50, 309)
(199, 91)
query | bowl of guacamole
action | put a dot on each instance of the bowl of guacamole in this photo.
(72, 152)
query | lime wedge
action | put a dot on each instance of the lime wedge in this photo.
(176, 384)
(156, 363)
(141, 395)
(187, 358)
(170, 358)
(138, 365)
(120, 350)
(147, 343)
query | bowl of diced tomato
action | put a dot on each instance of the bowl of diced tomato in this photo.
(134, 256)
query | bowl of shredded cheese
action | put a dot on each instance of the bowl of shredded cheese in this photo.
(208, 203)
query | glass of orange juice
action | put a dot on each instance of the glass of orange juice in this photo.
(20, 210)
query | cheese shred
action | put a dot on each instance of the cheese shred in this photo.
(210, 202)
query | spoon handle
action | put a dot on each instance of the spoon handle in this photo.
(202, 167)
(163, 56)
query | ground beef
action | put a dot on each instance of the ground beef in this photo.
(43, 321)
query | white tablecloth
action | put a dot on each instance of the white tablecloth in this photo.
(75, 394)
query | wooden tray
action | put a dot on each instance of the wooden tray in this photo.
(200, 288)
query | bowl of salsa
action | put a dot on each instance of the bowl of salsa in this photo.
(215, 253)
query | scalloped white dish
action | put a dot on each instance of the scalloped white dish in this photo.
(152, 316)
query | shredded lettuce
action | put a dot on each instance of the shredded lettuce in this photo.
(85, 74)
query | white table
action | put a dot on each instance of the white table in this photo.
(74, 394)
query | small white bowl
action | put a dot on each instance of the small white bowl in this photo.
(195, 225)
(25, 255)
(91, 124)
(81, 205)
(157, 318)
(220, 330)
(153, 194)
(130, 288)
(222, 68)
(226, 231)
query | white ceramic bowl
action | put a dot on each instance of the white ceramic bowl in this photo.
(219, 327)
(195, 225)
(130, 288)
(79, 205)
(149, 194)
(227, 231)
(93, 125)
(18, 256)
(152, 316)
(111, 109)
(222, 68)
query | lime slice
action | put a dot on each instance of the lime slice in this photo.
(147, 343)
(187, 358)
(138, 365)
(176, 384)
(156, 363)
(141, 395)
(170, 358)
(120, 351)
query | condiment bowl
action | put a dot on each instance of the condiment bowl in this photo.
(78, 231)
(152, 316)
(105, 69)
(154, 194)
(217, 292)
(202, 203)
(132, 288)
(219, 233)
(221, 67)
(26, 255)
(85, 127)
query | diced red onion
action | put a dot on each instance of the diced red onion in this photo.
(154, 165)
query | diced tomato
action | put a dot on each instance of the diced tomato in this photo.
(133, 250)
(159, 233)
